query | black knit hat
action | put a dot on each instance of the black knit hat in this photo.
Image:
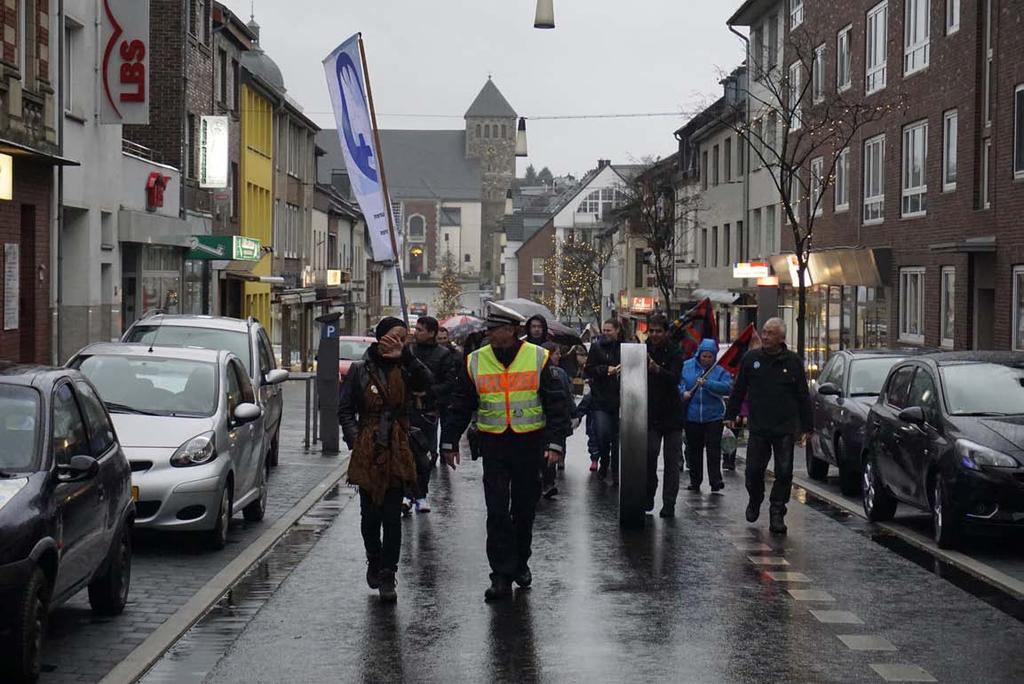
(386, 325)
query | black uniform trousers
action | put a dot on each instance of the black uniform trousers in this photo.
(512, 485)
(760, 449)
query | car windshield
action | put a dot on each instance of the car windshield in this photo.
(983, 389)
(19, 421)
(352, 350)
(169, 335)
(868, 375)
(152, 385)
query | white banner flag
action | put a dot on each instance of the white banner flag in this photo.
(344, 69)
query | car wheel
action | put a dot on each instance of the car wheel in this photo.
(217, 538)
(22, 651)
(255, 511)
(944, 517)
(879, 504)
(108, 593)
(272, 455)
(849, 477)
(816, 468)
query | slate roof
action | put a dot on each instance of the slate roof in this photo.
(490, 103)
(419, 164)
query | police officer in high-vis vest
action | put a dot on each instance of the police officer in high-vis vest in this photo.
(522, 418)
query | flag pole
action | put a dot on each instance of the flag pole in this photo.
(384, 184)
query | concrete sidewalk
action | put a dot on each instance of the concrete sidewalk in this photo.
(703, 597)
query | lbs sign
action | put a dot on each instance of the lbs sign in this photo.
(125, 62)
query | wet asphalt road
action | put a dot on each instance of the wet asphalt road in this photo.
(701, 598)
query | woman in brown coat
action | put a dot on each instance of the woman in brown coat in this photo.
(373, 410)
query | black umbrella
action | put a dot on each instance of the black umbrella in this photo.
(525, 308)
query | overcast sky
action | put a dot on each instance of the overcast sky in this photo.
(433, 56)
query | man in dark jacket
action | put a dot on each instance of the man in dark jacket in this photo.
(602, 370)
(375, 402)
(537, 330)
(522, 422)
(428, 405)
(773, 381)
(664, 413)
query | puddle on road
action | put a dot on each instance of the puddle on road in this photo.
(933, 564)
(199, 650)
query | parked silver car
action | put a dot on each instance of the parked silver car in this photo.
(247, 339)
(191, 429)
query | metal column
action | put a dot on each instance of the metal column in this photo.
(633, 435)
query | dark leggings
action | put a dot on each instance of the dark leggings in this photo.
(386, 516)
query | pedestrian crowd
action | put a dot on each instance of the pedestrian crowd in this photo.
(415, 393)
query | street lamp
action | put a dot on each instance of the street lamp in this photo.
(545, 17)
(521, 138)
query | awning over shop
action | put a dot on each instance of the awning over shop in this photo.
(867, 267)
(250, 277)
(153, 229)
(716, 296)
(967, 245)
(20, 151)
(296, 297)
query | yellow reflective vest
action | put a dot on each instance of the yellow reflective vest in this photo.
(509, 397)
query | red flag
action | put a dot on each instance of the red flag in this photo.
(733, 356)
(699, 323)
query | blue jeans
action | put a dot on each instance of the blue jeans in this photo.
(606, 430)
(592, 447)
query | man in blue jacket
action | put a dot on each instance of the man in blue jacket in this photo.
(704, 386)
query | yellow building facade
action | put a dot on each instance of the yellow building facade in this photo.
(257, 193)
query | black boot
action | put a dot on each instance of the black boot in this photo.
(373, 572)
(388, 594)
(525, 578)
(753, 510)
(499, 590)
(777, 522)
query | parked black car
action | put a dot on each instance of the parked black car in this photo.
(947, 435)
(847, 387)
(66, 508)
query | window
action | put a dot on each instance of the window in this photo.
(771, 136)
(741, 153)
(1018, 132)
(600, 202)
(69, 436)
(704, 247)
(756, 139)
(916, 32)
(538, 271)
(986, 162)
(235, 81)
(922, 393)
(844, 63)
(417, 229)
(769, 230)
(741, 247)
(755, 233)
(817, 171)
(727, 151)
(874, 180)
(27, 44)
(487, 132)
(796, 13)
(714, 246)
(877, 40)
(72, 47)
(101, 432)
(478, 131)
(915, 161)
(704, 169)
(842, 187)
(949, 139)
(912, 305)
(235, 201)
(714, 165)
(296, 151)
(451, 217)
(416, 266)
(1018, 308)
(952, 16)
(638, 267)
(986, 104)
(757, 51)
(727, 244)
(818, 75)
(190, 147)
(222, 76)
(504, 131)
(795, 88)
(794, 194)
(773, 41)
(899, 385)
(947, 315)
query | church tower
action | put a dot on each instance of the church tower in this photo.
(491, 139)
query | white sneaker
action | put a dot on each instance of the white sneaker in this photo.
(422, 506)
(406, 506)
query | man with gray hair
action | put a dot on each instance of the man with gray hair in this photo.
(773, 382)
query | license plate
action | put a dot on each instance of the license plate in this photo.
(135, 493)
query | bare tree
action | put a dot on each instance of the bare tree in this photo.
(576, 271)
(798, 128)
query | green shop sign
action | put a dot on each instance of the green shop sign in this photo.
(224, 247)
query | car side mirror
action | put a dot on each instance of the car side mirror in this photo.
(276, 377)
(79, 468)
(246, 413)
(829, 389)
(914, 415)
